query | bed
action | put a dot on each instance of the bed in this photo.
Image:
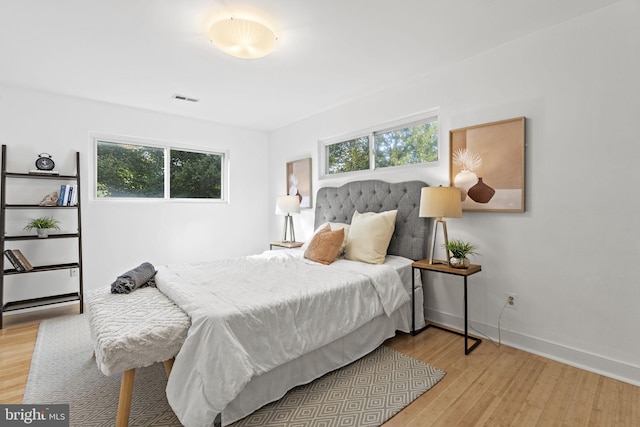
(240, 354)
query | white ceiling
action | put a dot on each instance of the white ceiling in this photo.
(141, 52)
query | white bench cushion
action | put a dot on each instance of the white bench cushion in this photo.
(134, 330)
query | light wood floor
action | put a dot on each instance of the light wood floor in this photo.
(490, 387)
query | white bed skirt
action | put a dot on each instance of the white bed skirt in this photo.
(274, 384)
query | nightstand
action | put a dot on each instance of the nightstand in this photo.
(288, 245)
(446, 269)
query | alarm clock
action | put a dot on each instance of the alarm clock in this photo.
(44, 162)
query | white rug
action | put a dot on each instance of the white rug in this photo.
(366, 393)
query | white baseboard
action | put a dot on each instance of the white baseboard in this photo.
(598, 364)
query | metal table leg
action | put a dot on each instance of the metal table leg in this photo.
(467, 349)
(477, 342)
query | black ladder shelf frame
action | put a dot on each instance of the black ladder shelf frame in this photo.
(49, 299)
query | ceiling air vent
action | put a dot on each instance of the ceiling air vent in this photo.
(184, 98)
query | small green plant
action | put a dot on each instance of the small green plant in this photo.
(460, 249)
(45, 223)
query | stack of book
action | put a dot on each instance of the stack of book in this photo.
(43, 172)
(19, 261)
(68, 195)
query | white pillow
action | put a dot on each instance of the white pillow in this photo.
(334, 226)
(369, 236)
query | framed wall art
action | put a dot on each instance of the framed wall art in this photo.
(486, 162)
(299, 181)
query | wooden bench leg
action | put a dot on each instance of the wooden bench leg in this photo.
(168, 366)
(124, 404)
(126, 391)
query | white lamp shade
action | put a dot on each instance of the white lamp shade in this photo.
(439, 202)
(242, 38)
(287, 205)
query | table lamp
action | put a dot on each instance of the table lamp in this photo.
(440, 202)
(287, 205)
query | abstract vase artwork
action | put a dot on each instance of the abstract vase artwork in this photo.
(486, 163)
(299, 181)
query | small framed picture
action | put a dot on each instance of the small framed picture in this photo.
(299, 181)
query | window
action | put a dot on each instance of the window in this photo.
(407, 145)
(195, 175)
(126, 170)
(349, 156)
(414, 141)
(130, 170)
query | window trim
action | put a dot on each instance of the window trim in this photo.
(411, 120)
(167, 147)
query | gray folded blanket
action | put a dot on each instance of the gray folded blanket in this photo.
(133, 279)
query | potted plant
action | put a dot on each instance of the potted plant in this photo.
(43, 225)
(459, 252)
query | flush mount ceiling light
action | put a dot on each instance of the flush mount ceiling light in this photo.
(242, 38)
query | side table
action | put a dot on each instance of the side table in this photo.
(446, 269)
(288, 245)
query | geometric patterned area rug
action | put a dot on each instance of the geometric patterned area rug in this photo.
(365, 393)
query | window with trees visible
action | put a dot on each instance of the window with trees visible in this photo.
(129, 170)
(348, 156)
(414, 142)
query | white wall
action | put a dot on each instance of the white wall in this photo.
(571, 256)
(119, 236)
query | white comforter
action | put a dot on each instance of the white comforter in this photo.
(249, 315)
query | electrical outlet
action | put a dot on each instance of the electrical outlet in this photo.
(511, 300)
(73, 272)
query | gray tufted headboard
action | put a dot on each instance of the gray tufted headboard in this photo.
(337, 204)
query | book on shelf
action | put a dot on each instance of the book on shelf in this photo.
(61, 194)
(73, 197)
(22, 259)
(43, 172)
(69, 200)
(14, 260)
(68, 195)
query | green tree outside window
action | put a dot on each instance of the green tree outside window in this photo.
(130, 171)
(415, 143)
(136, 171)
(195, 175)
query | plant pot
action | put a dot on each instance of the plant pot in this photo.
(43, 233)
(459, 262)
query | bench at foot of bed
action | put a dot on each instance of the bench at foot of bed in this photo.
(132, 331)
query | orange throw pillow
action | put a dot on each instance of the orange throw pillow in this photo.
(325, 246)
